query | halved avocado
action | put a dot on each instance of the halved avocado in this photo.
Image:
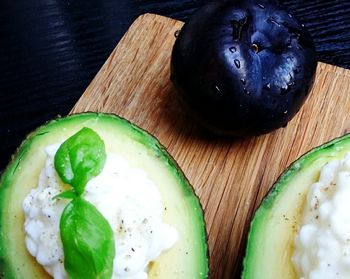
(188, 258)
(271, 237)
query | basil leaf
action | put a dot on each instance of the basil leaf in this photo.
(88, 242)
(80, 158)
(70, 194)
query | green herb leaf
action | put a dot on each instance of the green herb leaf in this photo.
(88, 242)
(80, 158)
(70, 194)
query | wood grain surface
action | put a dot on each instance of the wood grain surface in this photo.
(51, 50)
(230, 176)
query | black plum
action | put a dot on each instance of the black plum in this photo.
(243, 67)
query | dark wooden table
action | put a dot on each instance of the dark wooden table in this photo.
(51, 50)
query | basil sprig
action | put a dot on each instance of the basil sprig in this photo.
(87, 237)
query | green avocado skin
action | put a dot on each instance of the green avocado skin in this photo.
(7, 269)
(254, 259)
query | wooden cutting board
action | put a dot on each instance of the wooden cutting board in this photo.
(230, 176)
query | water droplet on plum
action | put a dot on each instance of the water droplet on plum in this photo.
(261, 6)
(232, 49)
(237, 63)
(255, 47)
(267, 86)
(274, 21)
(243, 81)
(177, 33)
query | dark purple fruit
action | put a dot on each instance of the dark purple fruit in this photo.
(243, 67)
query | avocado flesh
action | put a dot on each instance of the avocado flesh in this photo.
(188, 258)
(271, 237)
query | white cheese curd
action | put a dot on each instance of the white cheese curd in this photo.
(126, 197)
(322, 246)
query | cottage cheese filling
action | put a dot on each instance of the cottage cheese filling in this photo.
(126, 197)
(322, 246)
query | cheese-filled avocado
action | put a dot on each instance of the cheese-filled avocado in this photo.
(293, 232)
(188, 255)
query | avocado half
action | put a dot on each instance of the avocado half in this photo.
(188, 258)
(276, 222)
